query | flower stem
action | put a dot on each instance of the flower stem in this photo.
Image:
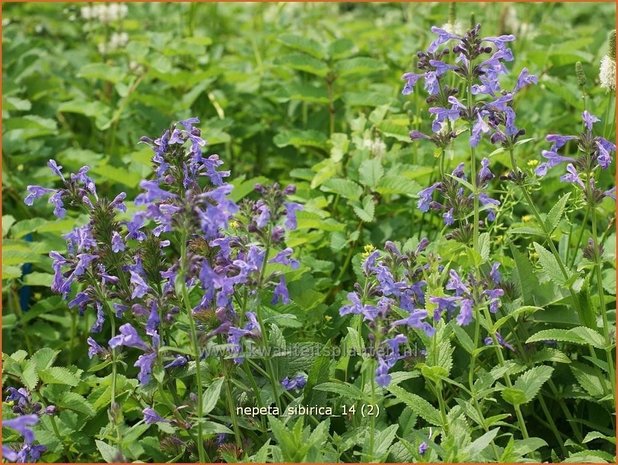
(195, 347)
(231, 404)
(602, 308)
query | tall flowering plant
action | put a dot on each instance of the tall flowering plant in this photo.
(188, 267)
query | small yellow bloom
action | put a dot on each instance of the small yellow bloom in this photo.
(526, 218)
(533, 163)
(234, 224)
(367, 250)
(328, 317)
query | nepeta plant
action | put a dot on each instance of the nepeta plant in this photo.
(189, 266)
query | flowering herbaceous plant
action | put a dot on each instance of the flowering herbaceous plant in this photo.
(450, 344)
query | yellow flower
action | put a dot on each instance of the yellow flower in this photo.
(533, 163)
(367, 250)
(234, 224)
(526, 218)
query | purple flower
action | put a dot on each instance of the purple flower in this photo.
(358, 308)
(500, 41)
(465, 316)
(151, 416)
(447, 303)
(604, 159)
(441, 115)
(128, 337)
(22, 425)
(422, 448)
(94, 348)
(296, 382)
(98, 324)
(443, 37)
(558, 141)
(28, 453)
(456, 284)
(153, 320)
(281, 292)
(490, 203)
(479, 128)
(145, 363)
(485, 173)
(589, 120)
(283, 258)
(140, 288)
(415, 320)
(448, 217)
(611, 193)
(553, 159)
(290, 214)
(525, 79)
(135, 225)
(35, 192)
(494, 298)
(56, 169)
(263, 217)
(56, 200)
(489, 341)
(494, 274)
(153, 193)
(179, 361)
(425, 197)
(572, 176)
(411, 79)
(117, 242)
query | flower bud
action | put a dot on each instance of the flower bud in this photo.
(581, 76)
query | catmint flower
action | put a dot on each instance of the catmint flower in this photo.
(415, 320)
(465, 316)
(572, 176)
(98, 324)
(179, 361)
(151, 416)
(22, 425)
(117, 242)
(356, 307)
(153, 320)
(494, 274)
(145, 363)
(28, 453)
(128, 337)
(489, 341)
(296, 382)
(94, 348)
(140, 288)
(290, 211)
(281, 292)
(425, 197)
(283, 258)
(35, 192)
(422, 448)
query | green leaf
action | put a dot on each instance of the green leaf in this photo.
(394, 184)
(589, 379)
(38, 279)
(418, 405)
(550, 265)
(302, 44)
(383, 440)
(514, 396)
(306, 93)
(341, 48)
(7, 222)
(96, 110)
(117, 175)
(347, 391)
(475, 449)
(243, 188)
(303, 62)
(344, 187)
(366, 213)
(358, 65)
(44, 358)
(59, 375)
(531, 381)
(300, 138)
(370, 172)
(579, 335)
(77, 403)
(101, 71)
(555, 214)
(109, 453)
(339, 146)
(211, 396)
(29, 375)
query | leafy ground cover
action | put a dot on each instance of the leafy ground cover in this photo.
(308, 232)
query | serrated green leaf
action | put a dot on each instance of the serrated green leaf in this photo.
(302, 44)
(347, 391)
(578, 335)
(29, 375)
(418, 405)
(109, 453)
(370, 172)
(300, 138)
(101, 71)
(59, 375)
(531, 381)
(358, 65)
(77, 403)
(303, 62)
(212, 394)
(367, 212)
(550, 265)
(344, 187)
(555, 214)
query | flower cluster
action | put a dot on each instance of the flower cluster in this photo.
(455, 205)
(488, 110)
(187, 233)
(29, 413)
(104, 13)
(295, 382)
(607, 71)
(594, 152)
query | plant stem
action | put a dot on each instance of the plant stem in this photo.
(602, 308)
(548, 238)
(195, 347)
(507, 377)
(579, 238)
(231, 404)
